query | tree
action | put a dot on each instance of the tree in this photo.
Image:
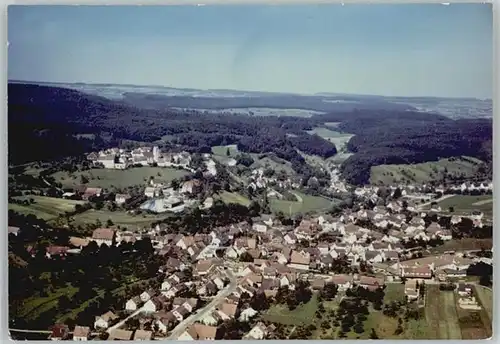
(246, 257)
(397, 193)
(451, 209)
(109, 223)
(228, 152)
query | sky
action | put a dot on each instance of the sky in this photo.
(392, 50)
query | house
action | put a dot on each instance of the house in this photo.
(104, 236)
(13, 230)
(143, 335)
(199, 332)
(180, 313)
(290, 238)
(258, 332)
(147, 295)
(121, 198)
(78, 242)
(165, 321)
(119, 334)
(343, 282)
(247, 314)
(229, 309)
(133, 304)
(105, 320)
(411, 290)
(59, 332)
(300, 260)
(153, 305)
(52, 251)
(464, 290)
(416, 272)
(190, 186)
(91, 192)
(370, 283)
(81, 333)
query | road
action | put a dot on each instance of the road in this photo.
(437, 200)
(179, 329)
(121, 323)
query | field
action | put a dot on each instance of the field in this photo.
(107, 178)
(337, 138)
(394, 292)
(222, 150)
(273, 163)
(34, 306)
(465, 204)
(305, 204)
(120, 218)
(302, 315)
(424, 172)
(233, 197)
(46, 208)
(463, 244)
(441, 314)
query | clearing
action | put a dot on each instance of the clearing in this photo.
(302, 315)
(109, 178)
(441, 313)
(394, 292)
(233, 197)
(424, 172)
(466, 204)
(308, 204)
(34, 306)
(121, 218)
(222, 150)
(339, 139)
(464, 244)
(45, 208)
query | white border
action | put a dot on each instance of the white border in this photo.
(3, 87)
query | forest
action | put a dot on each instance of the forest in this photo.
(46, 123)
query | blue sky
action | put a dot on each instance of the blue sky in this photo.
(409, 50)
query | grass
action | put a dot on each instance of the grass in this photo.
(485, 298)
(302, 315)
(118, 217)
(394, 292)
(45, 208)
(308, 204)
(463, 245)
(233, 197)
(423, 172)
(222, 150)
(465, 204)
(272, 162)
(108, 178)
(34, 306)
(441, 314)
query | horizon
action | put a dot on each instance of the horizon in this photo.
(401, 50)
(318, 94)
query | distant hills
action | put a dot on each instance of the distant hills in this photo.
(44, 122)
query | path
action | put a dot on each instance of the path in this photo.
(299, 198)
(486, 201)
(179, 329)
(122, 322)
(437, 200)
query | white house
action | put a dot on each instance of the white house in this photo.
(133, 304)
(259, 331)
(103, 321)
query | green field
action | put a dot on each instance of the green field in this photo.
(424, 172)
(222, 150)
(485, 296)
(273, 163)
(108, 178)
(465, 204)
(233, 197)
(308, 204)
(34, 306)
(302, 315)
(45, 208)
(441, 314)
(120, 218)
(394, 292)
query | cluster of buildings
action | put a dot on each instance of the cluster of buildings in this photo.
(117, 158)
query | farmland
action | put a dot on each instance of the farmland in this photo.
(424, 172)
(303, 205)
(233, 197)
(45, 208)
(107, 178)
(441, 314)
(394, 292)
(120, 218)
(465, 204)
(222, 150)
